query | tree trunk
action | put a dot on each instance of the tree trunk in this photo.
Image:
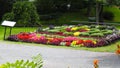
(101, 13)
(89, 8)
(97, 12)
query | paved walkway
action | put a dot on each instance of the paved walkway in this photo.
(58, 58)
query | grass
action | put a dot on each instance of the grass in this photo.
(16, 30)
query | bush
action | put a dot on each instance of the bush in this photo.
(24, 13)
(8, 16)
(107, 15)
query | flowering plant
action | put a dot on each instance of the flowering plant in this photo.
(74, 28)
(55, 41)
(68, 29)
(76, 33)
(24, 36)
(118, 50)
(69, 39)
(95, 62)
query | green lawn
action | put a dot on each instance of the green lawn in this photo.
(109, 48)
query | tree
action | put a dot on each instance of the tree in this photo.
(99, 4)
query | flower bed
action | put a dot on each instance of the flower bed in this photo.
(75, 36)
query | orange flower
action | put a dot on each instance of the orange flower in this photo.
(117, 52)
(96, 61)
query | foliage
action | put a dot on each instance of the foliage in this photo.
(19, 64)
(36, 63)
(38, 60)
(107, 15)
(9, 16)
(24, 13)
(6, 6)
(52, 6)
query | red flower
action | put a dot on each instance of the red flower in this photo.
(67, 43)
(88, 41)
(23, 36)
(80, 41)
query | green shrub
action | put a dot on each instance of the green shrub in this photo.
(24, 13)
(107, 15)
(8, 16)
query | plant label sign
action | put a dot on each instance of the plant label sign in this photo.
(8, 23)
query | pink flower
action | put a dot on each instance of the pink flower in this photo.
(69, 39)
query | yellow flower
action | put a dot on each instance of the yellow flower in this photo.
(87, 29)
(76, 33)
(74, 28)
(94, 42)
(74, 43)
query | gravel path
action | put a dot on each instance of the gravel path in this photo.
(58, 58)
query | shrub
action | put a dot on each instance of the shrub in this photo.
(8, 16)
(24, 13)
(107, 15)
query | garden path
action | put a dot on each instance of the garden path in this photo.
(58, 57)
